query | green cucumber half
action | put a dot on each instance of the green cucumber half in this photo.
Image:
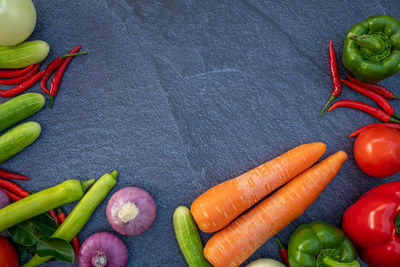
(23, 55)
(16, 139)
(19, 108)
(188, 238)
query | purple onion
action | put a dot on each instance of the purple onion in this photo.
(131, 211)
(4, 200)
(103, 249)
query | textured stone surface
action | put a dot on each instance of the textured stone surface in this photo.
(181, 95)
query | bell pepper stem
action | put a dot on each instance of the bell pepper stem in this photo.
(368, 42)
(327, 104)
(397, 224)
(328, 261)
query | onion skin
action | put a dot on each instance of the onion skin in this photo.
(4, 200)
(144, 205)
(103, 243)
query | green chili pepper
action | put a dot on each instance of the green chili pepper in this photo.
(319, 244)
(81, 213)
(372, 49)
(38, 203)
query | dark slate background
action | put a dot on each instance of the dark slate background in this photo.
(179, 96)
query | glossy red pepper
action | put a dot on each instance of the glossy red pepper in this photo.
(380, 100)
(15, 73)
(21, 79)
(376, 112)
(373, 224)
(382, 90)
(337, 85)
(388, 124)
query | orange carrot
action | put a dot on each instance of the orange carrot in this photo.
(220, 205)
(239, 240)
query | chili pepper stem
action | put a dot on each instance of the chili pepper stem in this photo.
(279, 243)
(395, 115)
(328, 261)
(331, 99)
(51, 101)
(392, 119)
(74, 54)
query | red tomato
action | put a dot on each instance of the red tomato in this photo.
(377, 151)
(8, 255)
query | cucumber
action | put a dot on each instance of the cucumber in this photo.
(19, 108)
(23, 55)
(16, 139)
(188, 238)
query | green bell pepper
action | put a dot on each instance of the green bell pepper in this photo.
(319, 244)
(372, 48)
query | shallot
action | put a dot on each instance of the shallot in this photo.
(131, 211)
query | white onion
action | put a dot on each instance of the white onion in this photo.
(17, 21)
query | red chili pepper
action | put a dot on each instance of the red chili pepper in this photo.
(52, 67)
(337, 85)
(12, 175)
(75, 241)
(23, 86)
(21, 79)
(11, 195)
(53, 214)
(376, 112)
(284, 252)
(380, 100)
(388, 124)
(382, 90)
(55, 83)
(13, 187)
(15, 73)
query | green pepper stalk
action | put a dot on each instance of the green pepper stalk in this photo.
(372, 49)
(319, 244)
(38, 203)
(80, 214)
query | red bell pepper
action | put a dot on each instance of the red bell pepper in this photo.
(373, 224)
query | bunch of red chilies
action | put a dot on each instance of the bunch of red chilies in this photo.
(376, 92)
(29, 76)
(16, 193)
